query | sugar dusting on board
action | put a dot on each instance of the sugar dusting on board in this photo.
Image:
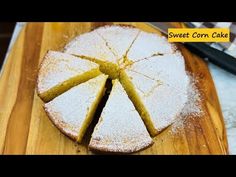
(192, 108)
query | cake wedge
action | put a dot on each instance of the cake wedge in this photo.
(60, 72)
(120, 128)
(73, 111)
(158, 88)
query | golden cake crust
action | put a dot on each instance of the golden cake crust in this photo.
(94, 147)
(60, 125)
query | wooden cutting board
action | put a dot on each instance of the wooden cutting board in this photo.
(26, 129)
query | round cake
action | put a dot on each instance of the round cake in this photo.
(149, 87)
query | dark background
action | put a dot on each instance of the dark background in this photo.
(6, 30)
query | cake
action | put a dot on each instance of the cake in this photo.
(149, 88)
(73, 110)
(149, 44)
(120, 128)
(60, 72)
(153, 84)
(119, 38)
(93, 47)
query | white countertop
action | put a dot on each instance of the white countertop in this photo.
(226, 88)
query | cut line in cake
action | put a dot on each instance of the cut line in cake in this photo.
(124, 132)
(60, 71)
(73, 111)
(152, 99)
(119, 39)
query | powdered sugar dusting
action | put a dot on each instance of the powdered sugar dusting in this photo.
(91, 45)
(157, 71)
(161, 83)
(58, 67)
(120, 128)
(148, 44)
(69, 110)
(119, 38)
(191, 109)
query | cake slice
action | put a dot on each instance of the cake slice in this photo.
(90, 45)
(149, 44)
(93, 47)
(158, 89)
(119, 38)
(120, 128)
(59, 72)
(72, 112)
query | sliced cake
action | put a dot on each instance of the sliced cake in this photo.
(148, 93)
(120, 128)
(149, 44)
(119, 38)
(93, 47)
(90, 45)
(158, 89)
(72, 111)
(59, 72)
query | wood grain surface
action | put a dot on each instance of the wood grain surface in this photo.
(26, 129)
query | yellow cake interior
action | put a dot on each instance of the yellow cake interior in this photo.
(106, 67)
(73, 110)
(117, 71)
(66, 85)
(91, 113)
(137, 101)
